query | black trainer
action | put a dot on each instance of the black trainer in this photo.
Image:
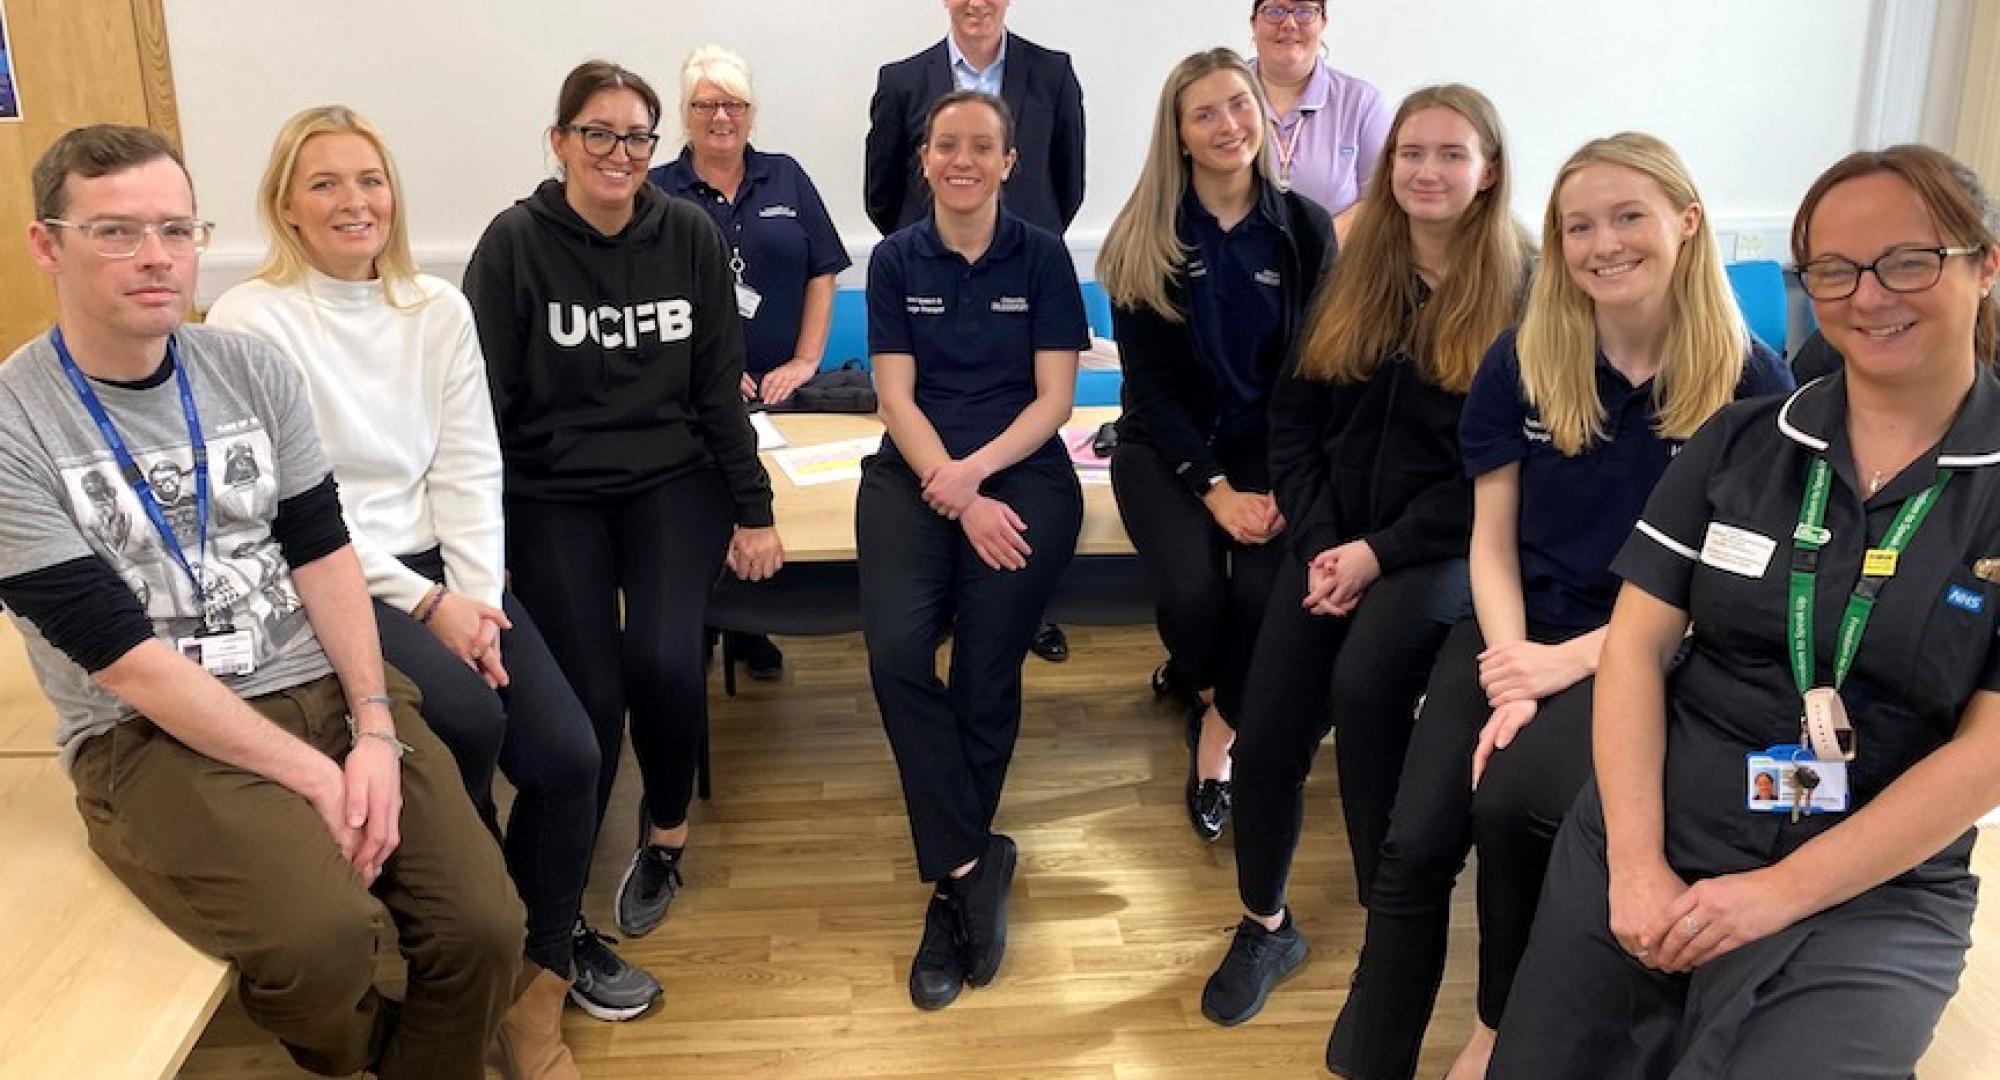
(1258, 959)
(762, 659)
(982, 895)
(606, 985)
(648, 889)
(937, 973)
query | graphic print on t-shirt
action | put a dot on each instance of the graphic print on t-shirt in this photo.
(246, 582)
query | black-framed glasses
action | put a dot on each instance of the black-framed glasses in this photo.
(1303, 14)
(710, 108)
(121, 238)
(599, 142)
(1899, 270)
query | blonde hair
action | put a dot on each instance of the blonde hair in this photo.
(1142, 252)
(1365, 312)
(1706, 337)
(726, 69)
(287, 261)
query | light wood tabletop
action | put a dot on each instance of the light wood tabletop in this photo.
(816, 522)
(91, 985)
(27, 722)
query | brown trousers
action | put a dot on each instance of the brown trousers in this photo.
(244, 869)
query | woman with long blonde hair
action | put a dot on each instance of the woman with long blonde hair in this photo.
(1365, 465)
(1209, 268)
(1633, 263)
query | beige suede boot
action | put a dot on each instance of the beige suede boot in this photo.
(530, 1044)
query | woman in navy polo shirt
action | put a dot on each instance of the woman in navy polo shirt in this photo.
(967, 516)
(1684, 928)
(1209, 268)
(1365, 463)
(1630, 341)
(783, 249)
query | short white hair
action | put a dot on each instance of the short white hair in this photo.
(720, 66)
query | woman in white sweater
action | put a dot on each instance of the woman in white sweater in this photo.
(399, 395)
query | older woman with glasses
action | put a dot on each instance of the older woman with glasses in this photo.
(1327, 127)
(783, 248)
(614, 353)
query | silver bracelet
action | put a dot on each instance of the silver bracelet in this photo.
(355, 735)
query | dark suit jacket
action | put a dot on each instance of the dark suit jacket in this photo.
(1039, 85)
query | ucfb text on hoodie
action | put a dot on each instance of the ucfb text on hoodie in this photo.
(615, 362)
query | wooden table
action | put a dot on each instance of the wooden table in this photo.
(817, 521)
(27, 721)
(91, 984)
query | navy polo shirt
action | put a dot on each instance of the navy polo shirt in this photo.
(1235, 294)
(974, 328)
(780, 229)
(1576, 512)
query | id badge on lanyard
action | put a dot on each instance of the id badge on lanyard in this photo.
(748, 300)
(219, 648)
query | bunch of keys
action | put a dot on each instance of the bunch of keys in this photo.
(1804, 779)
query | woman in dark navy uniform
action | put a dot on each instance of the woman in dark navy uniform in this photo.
(1685, 931)
(1366, 466)
(1209, 268)
(1569, 424)
(783, 248)
(967, 516)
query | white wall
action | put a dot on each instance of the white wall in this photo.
(1758, 96)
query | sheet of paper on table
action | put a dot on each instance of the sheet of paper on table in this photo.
(1090, 469)
(768, 435)
(826, 463)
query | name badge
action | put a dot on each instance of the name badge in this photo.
(748, 300)
(226, 654)
(1738, 551)
(1785, 780)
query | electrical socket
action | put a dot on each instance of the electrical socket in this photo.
(1749, 245)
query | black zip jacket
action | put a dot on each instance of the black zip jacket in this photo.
(1170, 401)
(615, 361)
(1375, 460)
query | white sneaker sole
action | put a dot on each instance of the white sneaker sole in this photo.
(612, 1015)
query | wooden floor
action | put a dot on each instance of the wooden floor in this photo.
(786, 955)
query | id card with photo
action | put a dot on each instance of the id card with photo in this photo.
(226, 655)
(1771, 782)
(748, 300)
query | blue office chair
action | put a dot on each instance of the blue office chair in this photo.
(848, 337)
(1097, 309)
(1760, 294)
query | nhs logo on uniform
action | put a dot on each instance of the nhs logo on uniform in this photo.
(626, 327)
(1966, 600)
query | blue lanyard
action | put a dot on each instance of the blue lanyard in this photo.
(130, 468)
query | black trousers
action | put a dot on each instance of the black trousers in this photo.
(1358, 676)
(1851, 993)
(1210, 591)
(536, 731)
(658, 552)
(921, 580)
(1521, 800)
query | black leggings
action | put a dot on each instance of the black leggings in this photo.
(1209, 590)
(1521, 800)
(659, 552)
(1360, 676)
(920, 579)
(537, 732)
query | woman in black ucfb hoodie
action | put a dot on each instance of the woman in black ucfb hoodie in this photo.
(608, 317)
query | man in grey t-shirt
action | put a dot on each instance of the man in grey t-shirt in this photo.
(172, 549)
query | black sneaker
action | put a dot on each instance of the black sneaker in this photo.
(762, 660)
(648, 888)
(1258, 960)
(605, 985)
(937, 973)
(983, 897)
(1050, 643)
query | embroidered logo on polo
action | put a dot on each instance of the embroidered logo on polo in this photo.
(1268, 277)
(1967, 600)
(628, 327)
(923, 305)
(1194, 268)
(1533, 430)
(777, 210)
(1010, 305)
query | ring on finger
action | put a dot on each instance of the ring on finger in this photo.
(1692, 926)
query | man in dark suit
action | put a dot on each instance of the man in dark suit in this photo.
(1046, 186)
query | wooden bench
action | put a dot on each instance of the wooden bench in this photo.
(91, 984)
(27, 722)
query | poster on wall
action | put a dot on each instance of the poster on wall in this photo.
(10, 95)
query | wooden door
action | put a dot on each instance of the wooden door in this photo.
(75, 62)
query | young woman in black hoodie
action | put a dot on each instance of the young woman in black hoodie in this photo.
(1209, 268)
(1365, 460)
(607, 314)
